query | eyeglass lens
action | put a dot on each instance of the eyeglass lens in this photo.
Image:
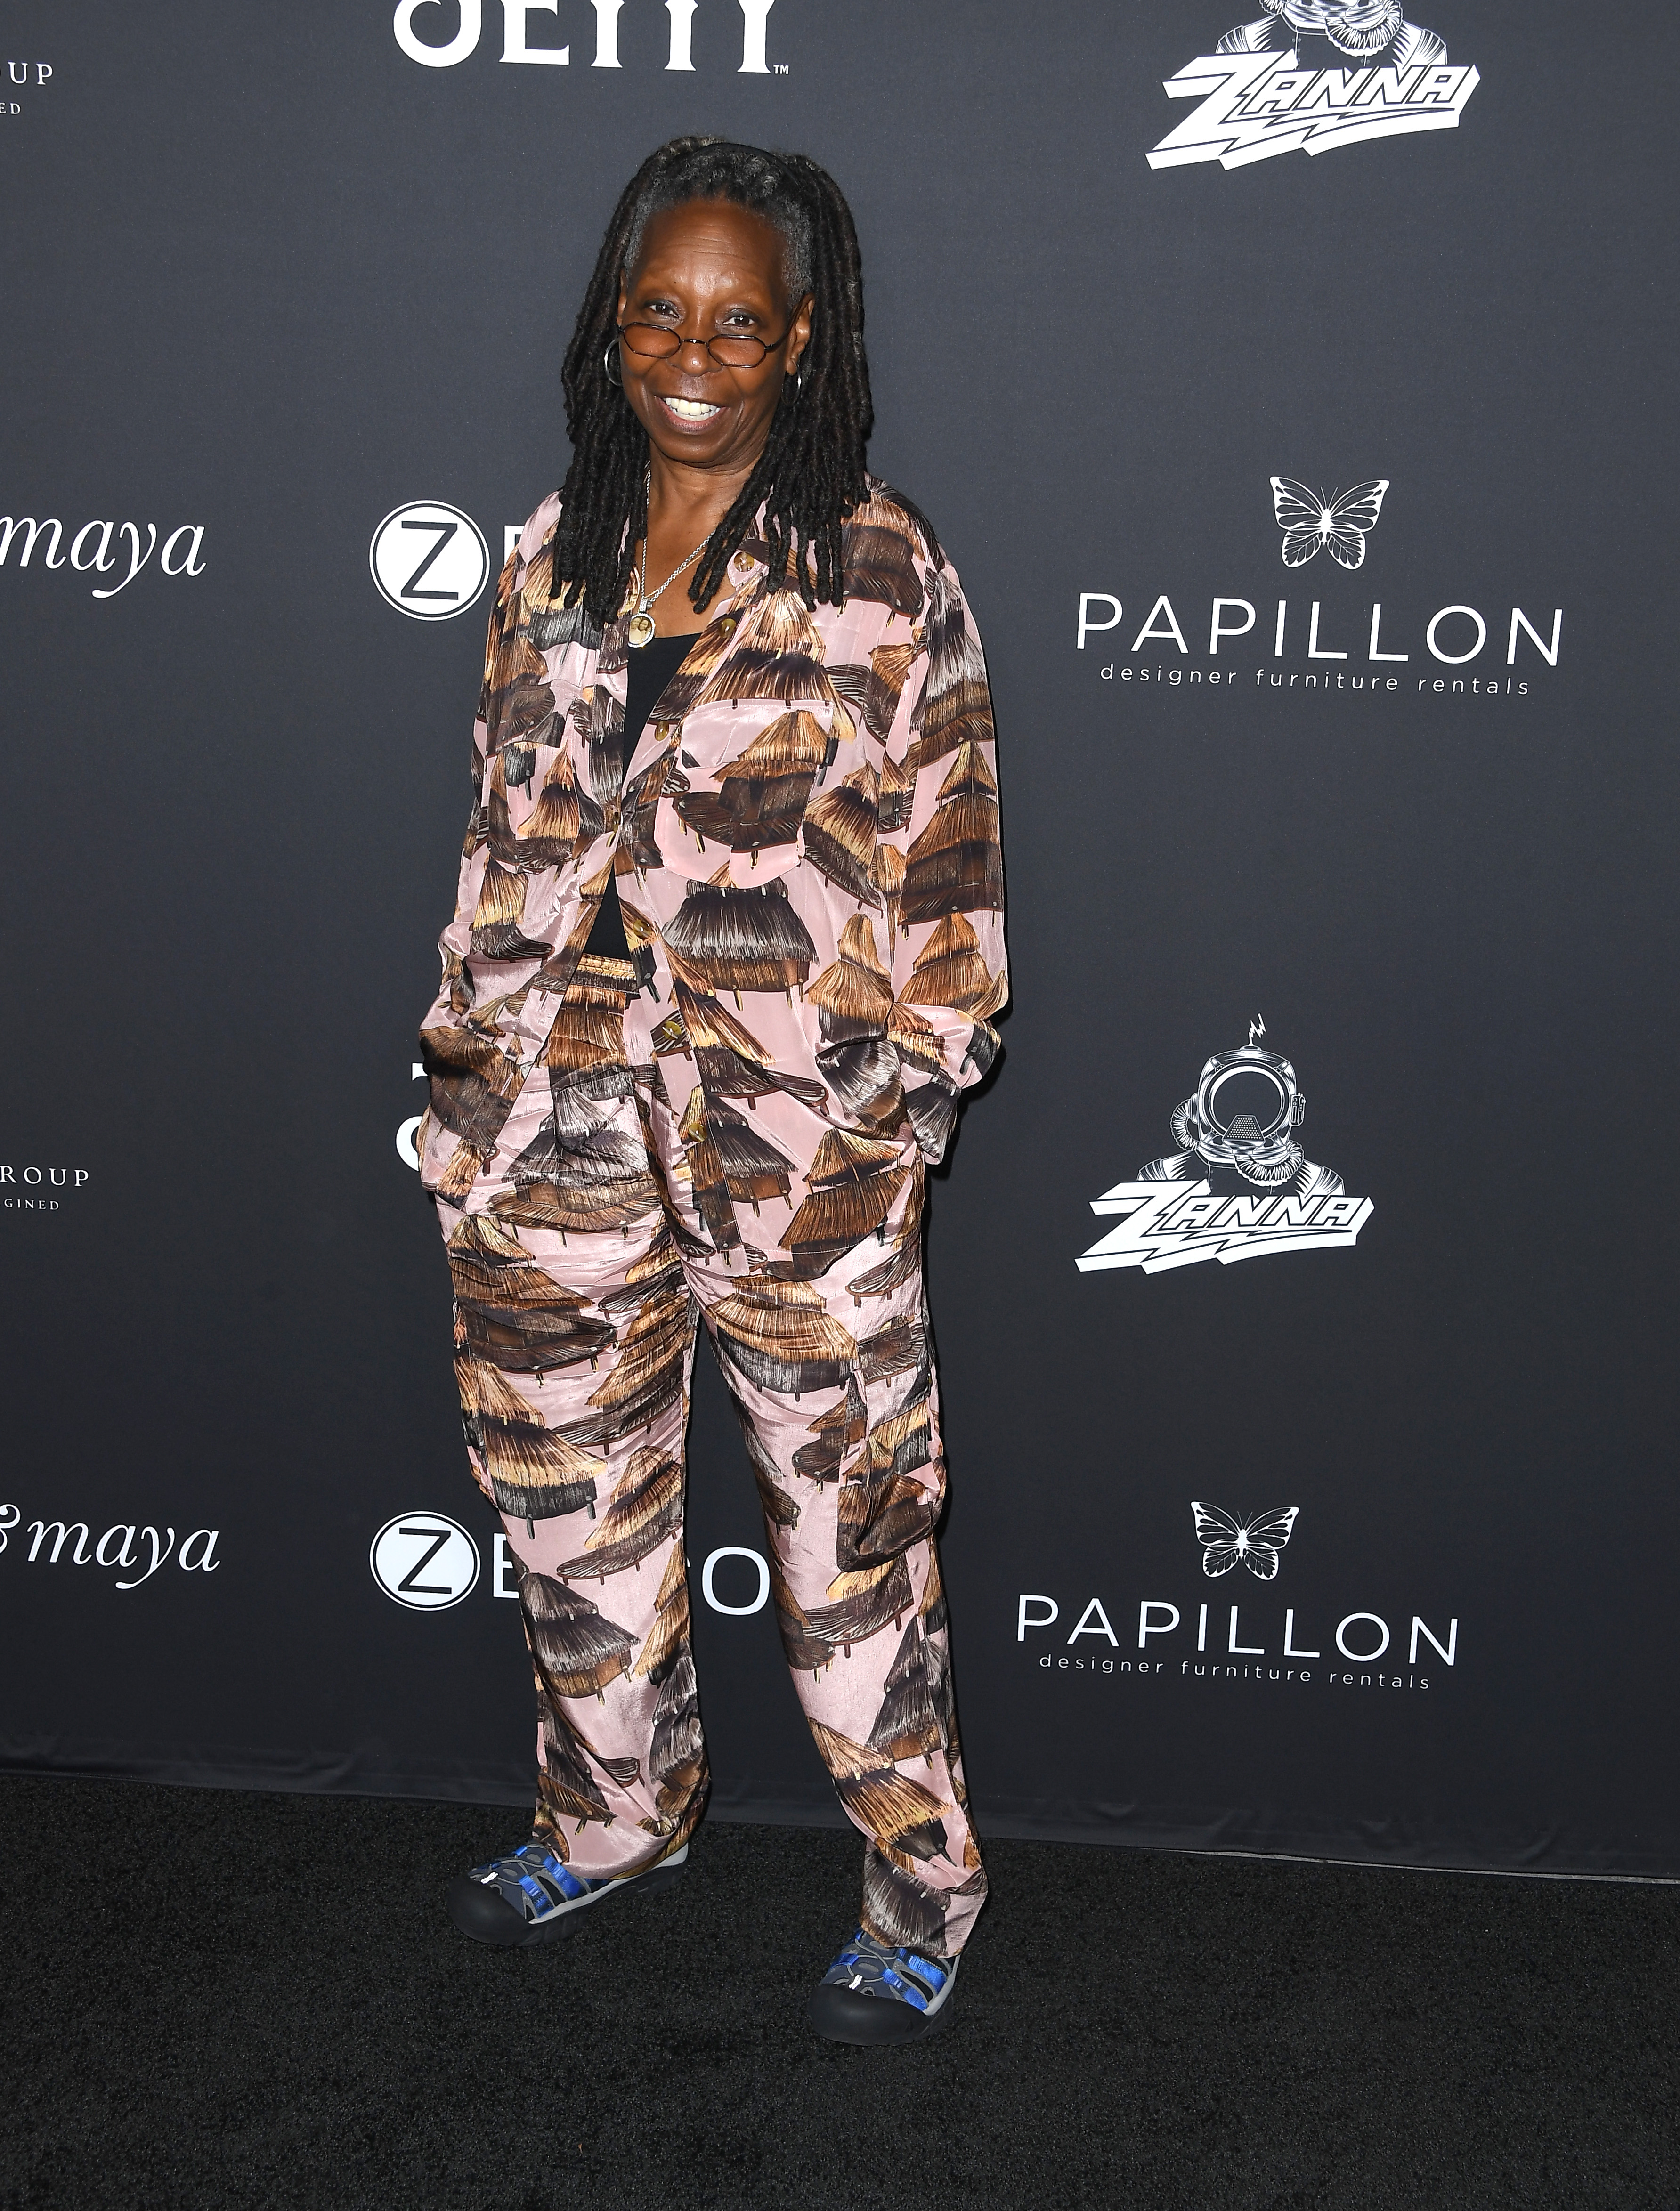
(653, 341)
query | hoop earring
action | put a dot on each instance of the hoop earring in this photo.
(609, 360)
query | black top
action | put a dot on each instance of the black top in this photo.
(648, 672)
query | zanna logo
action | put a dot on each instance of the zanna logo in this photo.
(1240, 1187)
(1311, 75)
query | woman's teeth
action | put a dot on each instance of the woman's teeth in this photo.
(689, 410)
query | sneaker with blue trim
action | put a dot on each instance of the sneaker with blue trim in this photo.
(533, 1895)
(873, 1995)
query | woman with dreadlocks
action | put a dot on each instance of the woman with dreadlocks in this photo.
(728, 933)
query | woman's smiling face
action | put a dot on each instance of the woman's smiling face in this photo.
(710, 268)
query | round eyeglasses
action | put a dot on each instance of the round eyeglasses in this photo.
(657, 342)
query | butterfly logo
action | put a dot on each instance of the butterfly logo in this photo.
(1310, 522)
(1256, 1542)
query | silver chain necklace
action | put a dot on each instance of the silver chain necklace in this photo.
(641, 622)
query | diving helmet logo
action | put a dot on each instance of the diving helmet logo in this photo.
(1237, 1130)
(1309, 75)
(1349, 30)
(1239, 1187)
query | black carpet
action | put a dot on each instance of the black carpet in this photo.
(218, 1999)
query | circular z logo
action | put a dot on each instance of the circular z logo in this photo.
(430, 560)
(425, 1560)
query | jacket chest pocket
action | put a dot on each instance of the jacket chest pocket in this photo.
(740, 785)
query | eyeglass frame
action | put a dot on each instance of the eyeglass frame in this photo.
(738, 338)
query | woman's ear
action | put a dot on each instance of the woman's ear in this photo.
(800, 335)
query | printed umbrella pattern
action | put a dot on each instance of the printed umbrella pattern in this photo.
(854, 1001)
(908, 1723)
(781, 1337)
(878, 559)
(707, 1190)
(903, 1264)
(648, 1374)
(578, 1651)
(901, 1911)
(956, 865)
(901, 1815)
(840, 833)
(761, 797)
(676, 1759)
(754, 1169)
(950, 970)
(781, 1512)
(807, 1651)
(584, 1171)
(742, 940)
(778, 655)
(731, 1061)
(865, 1603)
(473, 1085)
(513, 1314)
(496, 931)
(528, 1472)
(882, 1511)
(566, 1790)
(668, 1638)
(836, 1431)
(851, 1182)
(900, 1348)
(956, 705)
(644, 1510)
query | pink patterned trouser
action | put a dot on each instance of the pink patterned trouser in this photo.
(585, 1252)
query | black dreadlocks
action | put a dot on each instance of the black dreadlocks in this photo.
(810, 474)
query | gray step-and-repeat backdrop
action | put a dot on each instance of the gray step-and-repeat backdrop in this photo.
(1292, 393)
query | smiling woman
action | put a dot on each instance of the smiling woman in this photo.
(734, 843)
(702, 372)
(716, 245)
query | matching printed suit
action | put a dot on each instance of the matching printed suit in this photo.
(729, 1130)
